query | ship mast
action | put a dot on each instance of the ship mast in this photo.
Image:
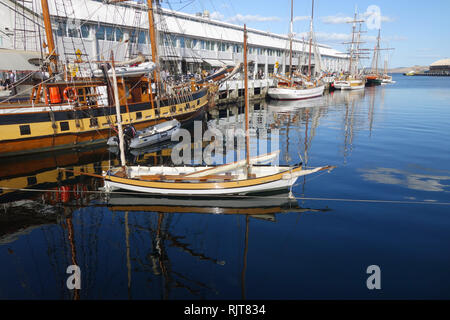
(310, 41)
(152, 33)
(290, 40)
(53, 67)
(352, 46)
(377, 52)
(247, 139)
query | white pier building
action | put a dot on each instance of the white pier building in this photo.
(186, 42)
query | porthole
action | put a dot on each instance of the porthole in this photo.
(64, 126)
(25, 129)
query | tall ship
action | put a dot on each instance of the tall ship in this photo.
(376, 76)
(352, 80)
(296, 85)
(74, 104)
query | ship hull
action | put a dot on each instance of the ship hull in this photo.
(295, 94)
(27, 132)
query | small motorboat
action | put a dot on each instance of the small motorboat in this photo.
(146, 137)
(129, 71)
(129, 132)
(155, 134)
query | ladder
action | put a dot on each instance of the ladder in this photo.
(26, 32)
(72, 43)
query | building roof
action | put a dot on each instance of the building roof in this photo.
(440, 63)
(19, 60)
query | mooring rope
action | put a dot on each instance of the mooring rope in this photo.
(410, 202)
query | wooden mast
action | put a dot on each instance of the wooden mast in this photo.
(290, 41)
(352, 46)
(118, 115)
(152, 33)
(377, 52)
(310, 42)
(50, 42)
(247, 137)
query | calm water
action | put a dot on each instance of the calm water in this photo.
(391, 144)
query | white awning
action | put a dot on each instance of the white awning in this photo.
(197, 60)
(171, 58)
(18, 60)
(214, 62)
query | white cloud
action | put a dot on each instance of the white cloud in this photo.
(337, 19)
(217, 16)
(239, 18)
(341, 19)
(301, 18)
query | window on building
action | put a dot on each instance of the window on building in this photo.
(72, 30)
(119, 34)
(237, 48)
(189, 43)
(61, 29)
(223, 46)
(100, 33)
(168, 40)
(142, 39)
(85, 31)
(202, 44)
(109, 34)
(181, 42)
(133, 36)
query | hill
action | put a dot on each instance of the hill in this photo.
(407, 69)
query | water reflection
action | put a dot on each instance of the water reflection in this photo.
(410, 180)
(132, 247)
(162, 248)
(127, 245)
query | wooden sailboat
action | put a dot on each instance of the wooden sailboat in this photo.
(304, 87)
(352, 80)
(375, 78)
(67, 110)
(238, 178)
(386, 78)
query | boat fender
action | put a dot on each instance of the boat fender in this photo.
(70, 94)
(65, 193)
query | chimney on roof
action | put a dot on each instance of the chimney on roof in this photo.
(206, 14)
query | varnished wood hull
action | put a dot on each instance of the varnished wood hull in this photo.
(47, 134)
(266, 178)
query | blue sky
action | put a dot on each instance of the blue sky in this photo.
(418, 30)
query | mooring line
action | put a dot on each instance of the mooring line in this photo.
(430, 202)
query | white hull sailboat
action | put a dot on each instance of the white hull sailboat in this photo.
(349, 84)
(180, 181)
(352, 80)
(305, 87)
(293, 93)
